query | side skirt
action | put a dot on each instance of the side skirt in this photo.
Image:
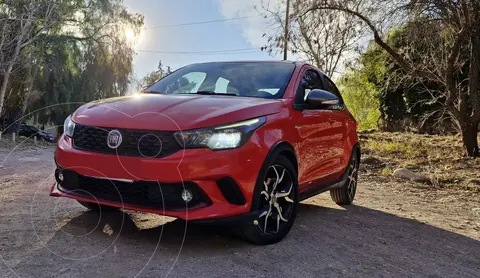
(324, 187)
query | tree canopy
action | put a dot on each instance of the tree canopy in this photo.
(438, 51)
(77, 53)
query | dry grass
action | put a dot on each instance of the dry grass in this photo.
(22, 143)
(438, 157)
(392, 148)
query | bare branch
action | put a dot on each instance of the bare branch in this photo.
(378, 39)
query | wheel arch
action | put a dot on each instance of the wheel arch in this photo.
(358, 150)
(288, 151)
(281, 148)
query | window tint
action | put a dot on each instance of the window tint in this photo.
(311, 80)
(221, 87)
(186, 84)
(249, 79)
(330, 86)
(270, 91)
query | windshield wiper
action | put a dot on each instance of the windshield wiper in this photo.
(152, 92)
(212, 93)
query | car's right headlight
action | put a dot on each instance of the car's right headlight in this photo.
(225, 137)
(69, 126)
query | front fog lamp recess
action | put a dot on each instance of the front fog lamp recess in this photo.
(59, 176)
(187, 196)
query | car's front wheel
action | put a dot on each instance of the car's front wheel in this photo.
(277, 204)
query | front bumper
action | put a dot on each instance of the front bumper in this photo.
(202, 167)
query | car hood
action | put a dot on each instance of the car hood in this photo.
(173, 112)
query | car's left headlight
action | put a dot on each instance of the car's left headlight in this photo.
(219, 138)
(69, 126)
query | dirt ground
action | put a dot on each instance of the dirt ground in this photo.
(395, 229)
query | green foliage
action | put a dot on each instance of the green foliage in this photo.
(402, 102)
(89, 61)
(83, 55)
(361, 99)
(386, 172)
(389, 147)
(153, 76)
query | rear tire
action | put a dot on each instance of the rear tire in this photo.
(278, 201)
(346, 194)
(96, 207)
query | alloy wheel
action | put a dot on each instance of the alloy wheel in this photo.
(277, 200)
(352, 178)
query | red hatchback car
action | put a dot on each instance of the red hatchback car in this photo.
(239, 143)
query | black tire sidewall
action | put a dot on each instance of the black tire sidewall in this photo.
(253, 233)
(354, 156)
(340, 195)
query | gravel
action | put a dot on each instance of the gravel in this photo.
(393, 230)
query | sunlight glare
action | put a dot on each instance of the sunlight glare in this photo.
(130, 35)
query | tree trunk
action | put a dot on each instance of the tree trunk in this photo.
(11, 63)
(470, 140)
(3, 89)
(31, 73)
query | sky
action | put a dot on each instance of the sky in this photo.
(244, 35)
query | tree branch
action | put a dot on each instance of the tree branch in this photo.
(450, 70)
(404, 64)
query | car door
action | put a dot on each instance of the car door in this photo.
(24, 131)
(31, 131)
(315, 134)
(338, 119)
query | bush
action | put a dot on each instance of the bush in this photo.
(361, 99)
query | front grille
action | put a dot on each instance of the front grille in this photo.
(144, 194)
(139, 143)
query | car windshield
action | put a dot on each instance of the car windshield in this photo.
(244, 79)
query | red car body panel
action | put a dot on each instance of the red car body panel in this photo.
(173, 113)
(323, 141)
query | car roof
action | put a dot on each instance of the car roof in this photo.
(255, 61)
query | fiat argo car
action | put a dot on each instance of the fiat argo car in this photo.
(238, 143)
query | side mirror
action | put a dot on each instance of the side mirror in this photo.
(321, 99)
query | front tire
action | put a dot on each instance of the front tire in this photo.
(346, 194)
(277, 203)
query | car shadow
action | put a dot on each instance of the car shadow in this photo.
(351, 241)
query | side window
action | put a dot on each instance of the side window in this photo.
(330, 86)
(311, 80)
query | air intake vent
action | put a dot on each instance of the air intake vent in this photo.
(231, 191)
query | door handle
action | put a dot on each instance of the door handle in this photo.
(331, 120)
(298, 126)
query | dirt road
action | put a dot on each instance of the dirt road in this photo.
(393, 230)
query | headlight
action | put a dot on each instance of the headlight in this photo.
(69, 126)
(219, 138)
